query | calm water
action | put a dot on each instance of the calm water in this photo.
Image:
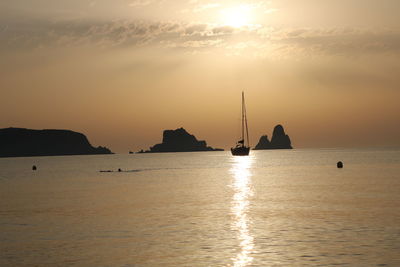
(274, 208)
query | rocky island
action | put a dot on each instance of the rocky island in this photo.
(280, 140)
(20, 142)
(179, 140)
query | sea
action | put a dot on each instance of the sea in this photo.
(272, 208)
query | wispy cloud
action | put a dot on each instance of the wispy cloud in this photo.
(279, 41)
(347, 42)
(139, 3)
(201, 8)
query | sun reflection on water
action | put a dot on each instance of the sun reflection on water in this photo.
(240, 205)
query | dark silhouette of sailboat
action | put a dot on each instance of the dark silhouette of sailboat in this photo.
(241, 149)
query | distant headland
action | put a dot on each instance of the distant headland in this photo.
(20, 142)
(280, 140)
(179, 140)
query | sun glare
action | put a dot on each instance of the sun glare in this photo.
(237, 16)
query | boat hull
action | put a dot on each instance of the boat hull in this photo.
(240, 151)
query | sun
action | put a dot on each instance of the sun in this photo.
(237, 16)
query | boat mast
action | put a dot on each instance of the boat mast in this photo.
(245, 120)
(243, 117)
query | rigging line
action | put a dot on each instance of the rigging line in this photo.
(243, 117)
(247, 128)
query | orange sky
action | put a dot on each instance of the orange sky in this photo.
(122, 71)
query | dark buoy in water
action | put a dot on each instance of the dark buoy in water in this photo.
(339, 164)
(34, 168)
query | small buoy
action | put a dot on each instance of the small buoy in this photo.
(339, 164)
(34, 168)
(119, 170)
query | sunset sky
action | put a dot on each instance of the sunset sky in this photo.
(122, 71)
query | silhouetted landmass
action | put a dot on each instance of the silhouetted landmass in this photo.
(264, 143)
(179, 140)
(279, 140)
(20, 142)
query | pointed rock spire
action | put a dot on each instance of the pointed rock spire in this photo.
(279, 140)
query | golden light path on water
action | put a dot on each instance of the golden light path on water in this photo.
(241, 171)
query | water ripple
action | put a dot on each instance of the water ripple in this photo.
(239, 207)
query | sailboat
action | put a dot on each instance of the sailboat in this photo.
(241, 149)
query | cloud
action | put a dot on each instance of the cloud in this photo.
(272, 42)
(205, 7)
(345, 42)
(139, 3)
(223, 30)
(116, 33)
(196, 29)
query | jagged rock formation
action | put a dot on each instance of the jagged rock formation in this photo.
(280, 140)
(264, 143)
(180, 140)
(20, 142)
